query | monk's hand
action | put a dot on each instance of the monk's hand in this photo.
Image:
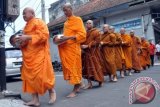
(124, 43)
(67, 37)
(102, 43)
(84, 46)
(23, 38)
(73, 37)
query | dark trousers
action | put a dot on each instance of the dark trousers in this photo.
(152, 59)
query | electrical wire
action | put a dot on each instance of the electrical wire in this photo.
(37, 6)
(25, 4)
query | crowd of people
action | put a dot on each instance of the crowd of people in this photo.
(105, 53)
(84, 53)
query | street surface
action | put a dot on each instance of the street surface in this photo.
(110, 95)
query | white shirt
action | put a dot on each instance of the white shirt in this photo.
(158, 47)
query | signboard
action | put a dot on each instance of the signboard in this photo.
(129, 24)
(12, 9)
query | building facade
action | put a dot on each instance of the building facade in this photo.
(55, 11)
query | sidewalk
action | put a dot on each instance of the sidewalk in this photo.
(8, 102)
(11, 102)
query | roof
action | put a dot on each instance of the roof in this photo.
(90, 7)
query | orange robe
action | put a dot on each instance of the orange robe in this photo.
(119, 55)
(127, 50)
(144, 57)
(37, 71)
(109, 52)
(70, 51)
(91, 57)
(135, 57)
(99, 54)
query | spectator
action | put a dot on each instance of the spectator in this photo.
(152, 51)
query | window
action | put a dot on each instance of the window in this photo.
(13, 54)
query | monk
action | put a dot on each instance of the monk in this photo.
(70, 51)
(91, 57)
(119, 55)
(136, 66)
(144, 57)
(108, 41)
(127, 50)
(37, 71)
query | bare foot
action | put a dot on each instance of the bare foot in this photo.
(122, 74)
(52, 96)
(130, 74)
(82, 85)
(71, 95)
(77, 90)
(88, 87)
(32, 103)
(115, 80)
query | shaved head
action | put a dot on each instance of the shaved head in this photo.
(67, 5)
(122, 30)
(89, 24)
(111, 29)
(90, 21)
(29, 9)
(67, 9)
(105, 25)
(105, 28)
(132, 32)
(143, 39)
(28, 13)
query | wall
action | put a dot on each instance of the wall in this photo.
(131, 15)
(54, 51)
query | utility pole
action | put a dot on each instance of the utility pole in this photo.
(2, 48)
(4, 14)
(43, 10)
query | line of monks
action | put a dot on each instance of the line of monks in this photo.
(91, 56)
(108, 52)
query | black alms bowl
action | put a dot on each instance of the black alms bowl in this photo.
(14, 42)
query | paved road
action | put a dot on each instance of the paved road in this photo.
(110, 95)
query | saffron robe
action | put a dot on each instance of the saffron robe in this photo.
(37, 71)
